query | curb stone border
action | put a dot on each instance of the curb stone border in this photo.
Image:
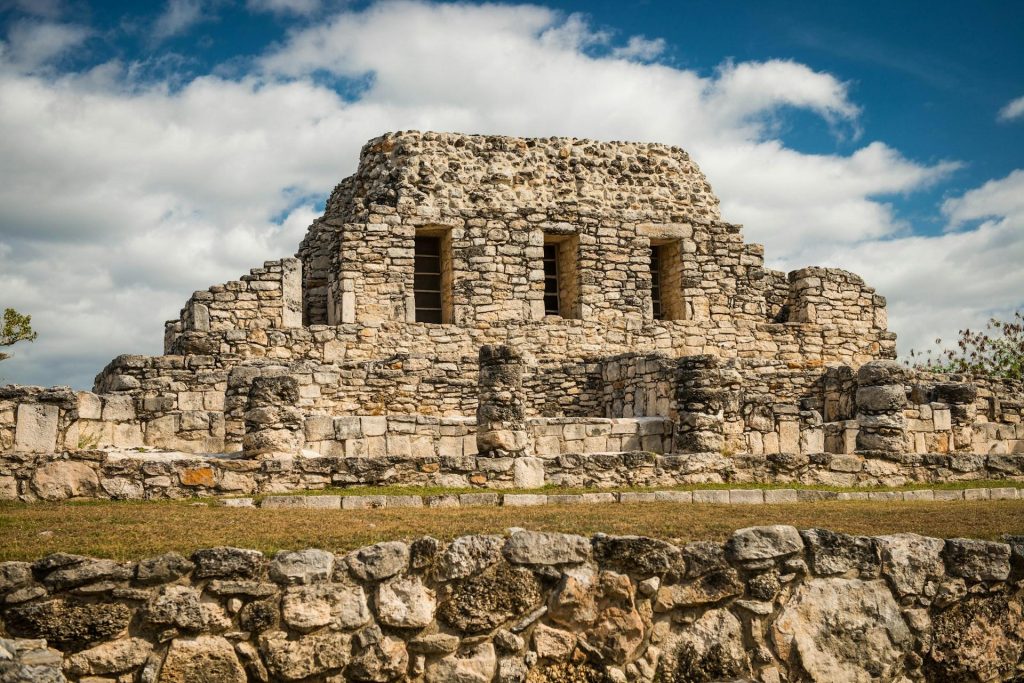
(706, 496)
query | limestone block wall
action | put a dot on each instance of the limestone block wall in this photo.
(178, 400)
(38, 420)
(268, 297)
(770, 604)
(831, 296)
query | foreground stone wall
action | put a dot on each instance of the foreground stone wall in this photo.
(771, 604)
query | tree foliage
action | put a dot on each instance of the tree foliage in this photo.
(16, 328)
(996, 351)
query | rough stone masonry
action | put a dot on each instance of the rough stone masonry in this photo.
(505, 311)
(771, 604)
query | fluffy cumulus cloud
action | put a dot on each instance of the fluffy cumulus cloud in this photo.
(33, 43)
(119, 197)
(1013, 111)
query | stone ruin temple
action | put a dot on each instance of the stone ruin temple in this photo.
(497, 311)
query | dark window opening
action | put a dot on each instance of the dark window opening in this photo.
(427, 280)
(551, 303)
(656, 258)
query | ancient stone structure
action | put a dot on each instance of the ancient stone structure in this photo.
(771, 604)
(499, 310)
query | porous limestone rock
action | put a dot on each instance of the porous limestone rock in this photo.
(831, 553)
(496, 595)
(468, 555)
(533, 547)
(380, 561)
(476, 665)
(113, 657)
(910, 561)
(977, 560)
(68, 623)
(310, 655)
(404, 602)
(764, 543)
(65, 479)
(302, 566)
(229, 562)
(305, 608)
(843, 630)
(162, 569)
(209, 659)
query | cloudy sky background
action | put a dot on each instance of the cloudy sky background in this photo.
(146, 154)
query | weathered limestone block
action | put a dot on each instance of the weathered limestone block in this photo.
(62, 479)
(36, 428)
(68, 623)
(843, 630)
(306, 608)
(29, 661)
(273, 422)
(710, 649)
(880, 400)
(707, 393)
(203, 658)
(313, 654)
(302, 567)
(113, 657)
(500, 414)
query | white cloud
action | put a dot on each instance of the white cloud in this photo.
(640, 49)
(300, 7)
(49, 9)
(1013, 110)
(178, 16)
(937, 285)
(138, 194)
(32, 44)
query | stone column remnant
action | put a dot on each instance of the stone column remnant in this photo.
(960, 397)
(880, 400)
(273, 421)
(500, 413)
(707, 393)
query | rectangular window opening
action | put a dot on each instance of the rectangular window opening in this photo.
(656, 282)
(432, 278)
(551, 304)
(561, 281)
(667, 301)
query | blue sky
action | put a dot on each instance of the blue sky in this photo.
(147, 150)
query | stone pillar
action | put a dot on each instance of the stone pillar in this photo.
(880, 400)
(960, 397)
(273, 421)
(291, 293)
(707, 393)
(501, 415)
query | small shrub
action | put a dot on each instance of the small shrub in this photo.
(996, 351)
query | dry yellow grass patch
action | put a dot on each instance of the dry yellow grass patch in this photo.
(134, 530)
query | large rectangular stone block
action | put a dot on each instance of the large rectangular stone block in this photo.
(36, 431)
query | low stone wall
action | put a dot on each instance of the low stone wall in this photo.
(131, 475)
(770, 604)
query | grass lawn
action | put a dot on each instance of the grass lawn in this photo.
(132, 530)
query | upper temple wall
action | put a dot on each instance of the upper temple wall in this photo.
(497, 201)
(448, 174)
